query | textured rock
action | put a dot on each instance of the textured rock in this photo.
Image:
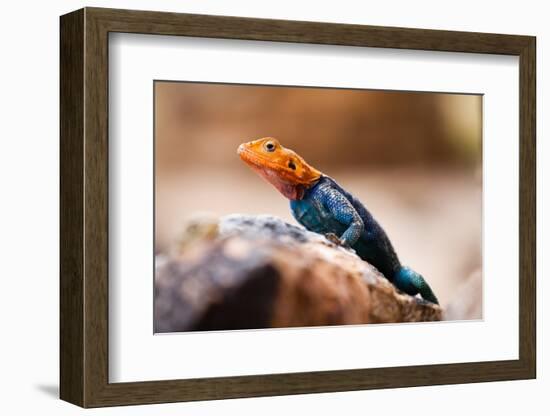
(245, 272)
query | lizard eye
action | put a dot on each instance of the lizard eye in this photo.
(291, 165)
(270, 146)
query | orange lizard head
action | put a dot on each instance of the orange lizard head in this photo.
(281, 167)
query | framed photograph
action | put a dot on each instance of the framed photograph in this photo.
(254, 207)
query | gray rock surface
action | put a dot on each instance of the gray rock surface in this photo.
(243, 272)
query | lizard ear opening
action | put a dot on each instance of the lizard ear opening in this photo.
(292, 165)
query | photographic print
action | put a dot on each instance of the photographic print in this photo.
(289, 206)
(328, 195)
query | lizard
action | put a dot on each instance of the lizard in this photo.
(321, 205)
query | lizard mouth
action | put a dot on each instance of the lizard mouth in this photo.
(276, 170)
(272, 173)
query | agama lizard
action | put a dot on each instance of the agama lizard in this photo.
(322, 206)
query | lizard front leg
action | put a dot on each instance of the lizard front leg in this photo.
(337, 207)
(333, 238)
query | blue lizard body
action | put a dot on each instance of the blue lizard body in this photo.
(326, 208)
(321, 205)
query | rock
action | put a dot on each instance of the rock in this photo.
(260, 272)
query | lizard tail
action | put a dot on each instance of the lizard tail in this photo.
(412, 283)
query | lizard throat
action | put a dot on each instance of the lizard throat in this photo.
(291, 187)
(291, 191)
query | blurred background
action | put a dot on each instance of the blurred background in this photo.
(413, 159)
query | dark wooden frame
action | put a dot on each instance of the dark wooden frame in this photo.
(84, 207)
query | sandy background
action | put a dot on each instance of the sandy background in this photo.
(414, 159)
